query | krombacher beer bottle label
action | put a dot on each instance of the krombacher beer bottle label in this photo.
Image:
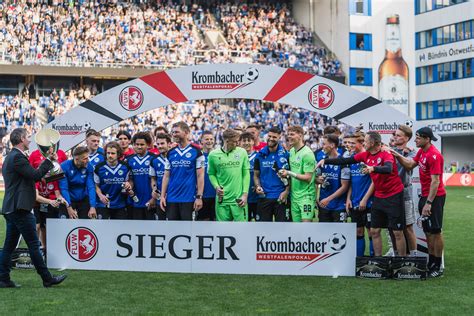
(393, 71)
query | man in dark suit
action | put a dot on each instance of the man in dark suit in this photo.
(20, 194)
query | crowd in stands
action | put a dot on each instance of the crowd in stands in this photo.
(98, 33)
(269, 32)
(211, 115)
(161, 32)
(20, 111)
(157, 33)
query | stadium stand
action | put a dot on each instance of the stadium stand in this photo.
(153, 34)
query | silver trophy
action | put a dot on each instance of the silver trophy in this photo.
(46, 139)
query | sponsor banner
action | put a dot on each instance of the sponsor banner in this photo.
(383, 119)
(445, 53)
(71, 129)
(454, 126)
(458, 179)
(198, 247)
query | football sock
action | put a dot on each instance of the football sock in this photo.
(360, 246)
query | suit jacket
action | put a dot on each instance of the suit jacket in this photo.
(20, 177)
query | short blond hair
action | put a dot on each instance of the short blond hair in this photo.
(296, 129)
(406, 130)
(230, 133)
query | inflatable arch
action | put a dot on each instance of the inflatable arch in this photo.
(224, 81)
(242, 81)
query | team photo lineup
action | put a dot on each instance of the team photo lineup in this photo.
(162, 175)
(236, 141)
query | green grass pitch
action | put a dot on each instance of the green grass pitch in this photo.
(98, 292)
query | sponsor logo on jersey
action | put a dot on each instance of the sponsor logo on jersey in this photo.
(114, 180)
(229, 164)
(181, 163)
(141, 171)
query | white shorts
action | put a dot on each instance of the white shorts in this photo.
(410, 216)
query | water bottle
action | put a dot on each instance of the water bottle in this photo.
(134, 197)
(421, 219)
(275, 167)
(108, 203)
(319, 172)
(157, 192)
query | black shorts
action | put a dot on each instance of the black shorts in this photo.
(252, 211)
(82, 207)
(42, 214)
(107, 213)
(361, 218)
(269, 210)
(160, 214)
(329, 216)
(179, 211)
(389, 212)
(143, 214)
(434, 223)
(130, 211)
(208, 211)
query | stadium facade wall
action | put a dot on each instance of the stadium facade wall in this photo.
(96, 72)
(329, 20)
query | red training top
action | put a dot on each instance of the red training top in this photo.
(431, 162)
(46, 189)
(128, 152)
(386, 184)
(259, 146)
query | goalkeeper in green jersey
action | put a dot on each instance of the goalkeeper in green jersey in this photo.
(229, 173)
(301, 173)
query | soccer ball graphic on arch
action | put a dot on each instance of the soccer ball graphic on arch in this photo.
(252, 74)
(337, 242)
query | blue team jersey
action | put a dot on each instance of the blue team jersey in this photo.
(252, 197)
(157, 169)
(209, 191)
(360, 184)
(77, 184)
(265, 163)
(110, 180)
(96, 158)
(320, 154)
(140, 175)
(183, 163)
(333, 175)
